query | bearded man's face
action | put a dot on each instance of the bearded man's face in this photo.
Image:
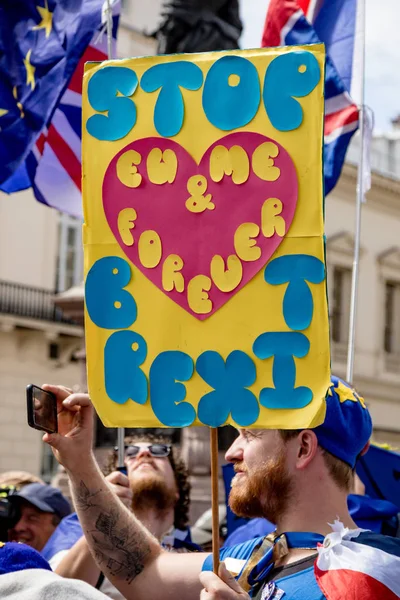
(262, 486)
(151, 480)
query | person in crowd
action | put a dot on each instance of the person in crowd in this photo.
(299, 480)
(26, 575)
(377, 514)
(41, 509)
(156, 488)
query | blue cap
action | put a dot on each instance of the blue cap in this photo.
(18, 557)
(347, 428)
(44, 497)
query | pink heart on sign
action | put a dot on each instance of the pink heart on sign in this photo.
(196, 237)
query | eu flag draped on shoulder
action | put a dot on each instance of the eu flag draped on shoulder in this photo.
(43, 47)
(336, 24)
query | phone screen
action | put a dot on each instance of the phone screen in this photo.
(43, 409)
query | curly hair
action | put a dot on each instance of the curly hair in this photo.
(181, 516)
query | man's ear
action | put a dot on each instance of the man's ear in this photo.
(307, 447)
(365, 449)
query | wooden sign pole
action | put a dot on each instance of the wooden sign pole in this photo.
(214, 496)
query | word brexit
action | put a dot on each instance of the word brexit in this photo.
(125, 351)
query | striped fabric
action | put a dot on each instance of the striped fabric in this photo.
(333, 22)
(356, 565)
(54, 165)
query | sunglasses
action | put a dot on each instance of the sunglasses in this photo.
(156, 450)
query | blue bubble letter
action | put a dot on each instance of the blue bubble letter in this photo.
(289, 76)
(283, 347)
(124, 352)
(102, 95)
(231, 93)
(296, 270)
(166, 391)
(229, 380)
(108, 304)
(169, 111)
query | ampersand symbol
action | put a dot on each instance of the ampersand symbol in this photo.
(198, 203)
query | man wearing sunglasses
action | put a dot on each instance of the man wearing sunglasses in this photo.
(154, 485)
(298, 479)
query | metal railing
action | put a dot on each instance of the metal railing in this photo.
(30, 302)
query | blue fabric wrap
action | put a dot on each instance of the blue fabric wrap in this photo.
(19, 557)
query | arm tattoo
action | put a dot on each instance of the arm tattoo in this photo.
(119, 551)
(124, 553)
(84, 498)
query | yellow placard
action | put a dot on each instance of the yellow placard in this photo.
(204, 251)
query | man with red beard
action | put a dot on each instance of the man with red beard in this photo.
(156, 488)
(296, 479)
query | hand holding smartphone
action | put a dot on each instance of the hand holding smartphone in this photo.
(42, 409)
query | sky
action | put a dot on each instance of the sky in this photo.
(382, 53)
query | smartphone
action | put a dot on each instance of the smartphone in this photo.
(42, 409)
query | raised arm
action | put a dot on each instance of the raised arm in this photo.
(122, 547)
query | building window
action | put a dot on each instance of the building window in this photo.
(54, 351)
(340, 314)
(70, 254)
(392, 317)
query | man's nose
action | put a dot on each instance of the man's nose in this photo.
(20, 526)
(144, 451)
(234, 452)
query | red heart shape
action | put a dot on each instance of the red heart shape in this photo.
(197, 237)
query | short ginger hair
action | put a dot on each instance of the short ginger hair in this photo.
(341, 473)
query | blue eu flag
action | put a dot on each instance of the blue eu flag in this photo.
(41, 42)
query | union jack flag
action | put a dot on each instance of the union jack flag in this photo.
(336, 24)
(354, 564)
(53, 165)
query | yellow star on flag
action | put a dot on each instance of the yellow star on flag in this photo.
(47, 19)
(346, 393)
(3, 111)
(21, 108)
(30, 70)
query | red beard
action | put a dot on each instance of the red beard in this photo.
(264, 492)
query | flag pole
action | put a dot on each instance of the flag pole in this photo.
(109, 28)
(214, 497)
(359, 202)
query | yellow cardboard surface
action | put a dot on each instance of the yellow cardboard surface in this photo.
(254, 309)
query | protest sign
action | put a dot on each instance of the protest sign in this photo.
(204, 249)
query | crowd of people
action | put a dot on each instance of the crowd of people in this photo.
(119, 537)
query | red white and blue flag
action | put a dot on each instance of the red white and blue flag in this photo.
(53, 165)
(56, 156)
(356, 565)
(336, 23)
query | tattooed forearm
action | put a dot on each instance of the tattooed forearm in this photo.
(84, 498)
(119, 543)
(118, 551)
